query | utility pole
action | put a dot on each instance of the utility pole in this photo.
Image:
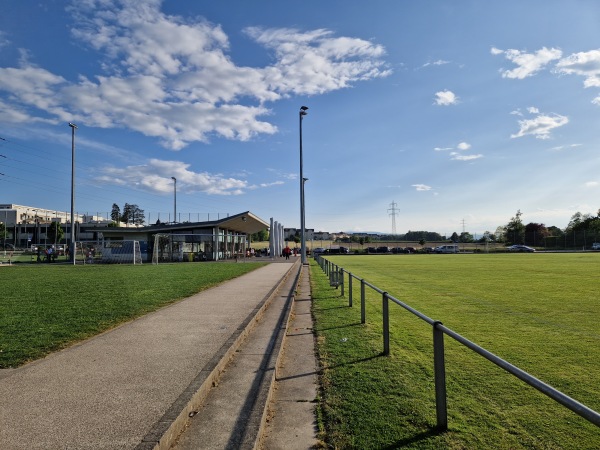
(394, 213)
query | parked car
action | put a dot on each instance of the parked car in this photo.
(344, 250)
(397, 250)
(410, 250)
(371, 250)
(7, 246)
(383, 249)
(520, 248)
(596, 246)
(318, 251)
(451, 248)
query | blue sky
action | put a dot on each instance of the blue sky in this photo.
(458, 112)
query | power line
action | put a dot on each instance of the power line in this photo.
(394, 213)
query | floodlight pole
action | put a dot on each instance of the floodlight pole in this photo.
(72, 245)
(302, 224)
(174, 199)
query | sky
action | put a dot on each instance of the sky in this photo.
(436, 115)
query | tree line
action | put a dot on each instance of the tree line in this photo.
(132, 214)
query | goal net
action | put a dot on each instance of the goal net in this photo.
(110, 252)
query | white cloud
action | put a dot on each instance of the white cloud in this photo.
(592, 184)
(443, 149)
(155, 176)
(439, 62)
(173, 79)
(459, 157)
(463, 146)
(422, 187)
(527, 63)
(585, 64)
(564, 147)
(3, 41)
(596, 101)
(540, 126)
(445, 98)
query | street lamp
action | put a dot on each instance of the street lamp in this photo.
(72, 245)
(174, 199)
(302, 225)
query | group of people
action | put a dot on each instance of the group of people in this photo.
(49, 254)
(287, 252)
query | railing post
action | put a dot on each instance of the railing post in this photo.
(386, 324)
(439, 367)
(349, 289)
(341, 272)
(363, 314)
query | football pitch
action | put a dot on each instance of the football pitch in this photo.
(537, 311)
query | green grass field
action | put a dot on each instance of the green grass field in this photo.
(538, 311)
(45, 307)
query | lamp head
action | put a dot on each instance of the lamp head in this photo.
(173, 178)
(72, 125)
(303, 110)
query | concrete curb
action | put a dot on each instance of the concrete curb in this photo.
(164, 432)
(275, 361)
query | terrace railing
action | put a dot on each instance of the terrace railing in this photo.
(337, 277)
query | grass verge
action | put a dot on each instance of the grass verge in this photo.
(538, 311)
(47, 307)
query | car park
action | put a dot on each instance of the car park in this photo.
(520, 248)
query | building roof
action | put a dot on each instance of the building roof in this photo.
(245, 222)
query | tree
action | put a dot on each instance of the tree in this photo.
(535, 234)
(261, 236)
(487, 237)
(133, 214)
(115, 214)
(465, 236)
(500, 233)
(138, 215)
(515, 230)
(454, 238)
(55, 232)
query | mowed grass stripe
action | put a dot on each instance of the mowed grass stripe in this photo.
(46, 307)
(538, 311)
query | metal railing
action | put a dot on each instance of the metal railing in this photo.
(337, 279)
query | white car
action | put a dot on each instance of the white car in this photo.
(596, 246)
(520, 248)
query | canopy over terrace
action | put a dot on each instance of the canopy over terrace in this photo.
(215, 239)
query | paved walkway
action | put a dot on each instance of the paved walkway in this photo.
(109, 391)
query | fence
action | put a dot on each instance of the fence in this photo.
(337, 277)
